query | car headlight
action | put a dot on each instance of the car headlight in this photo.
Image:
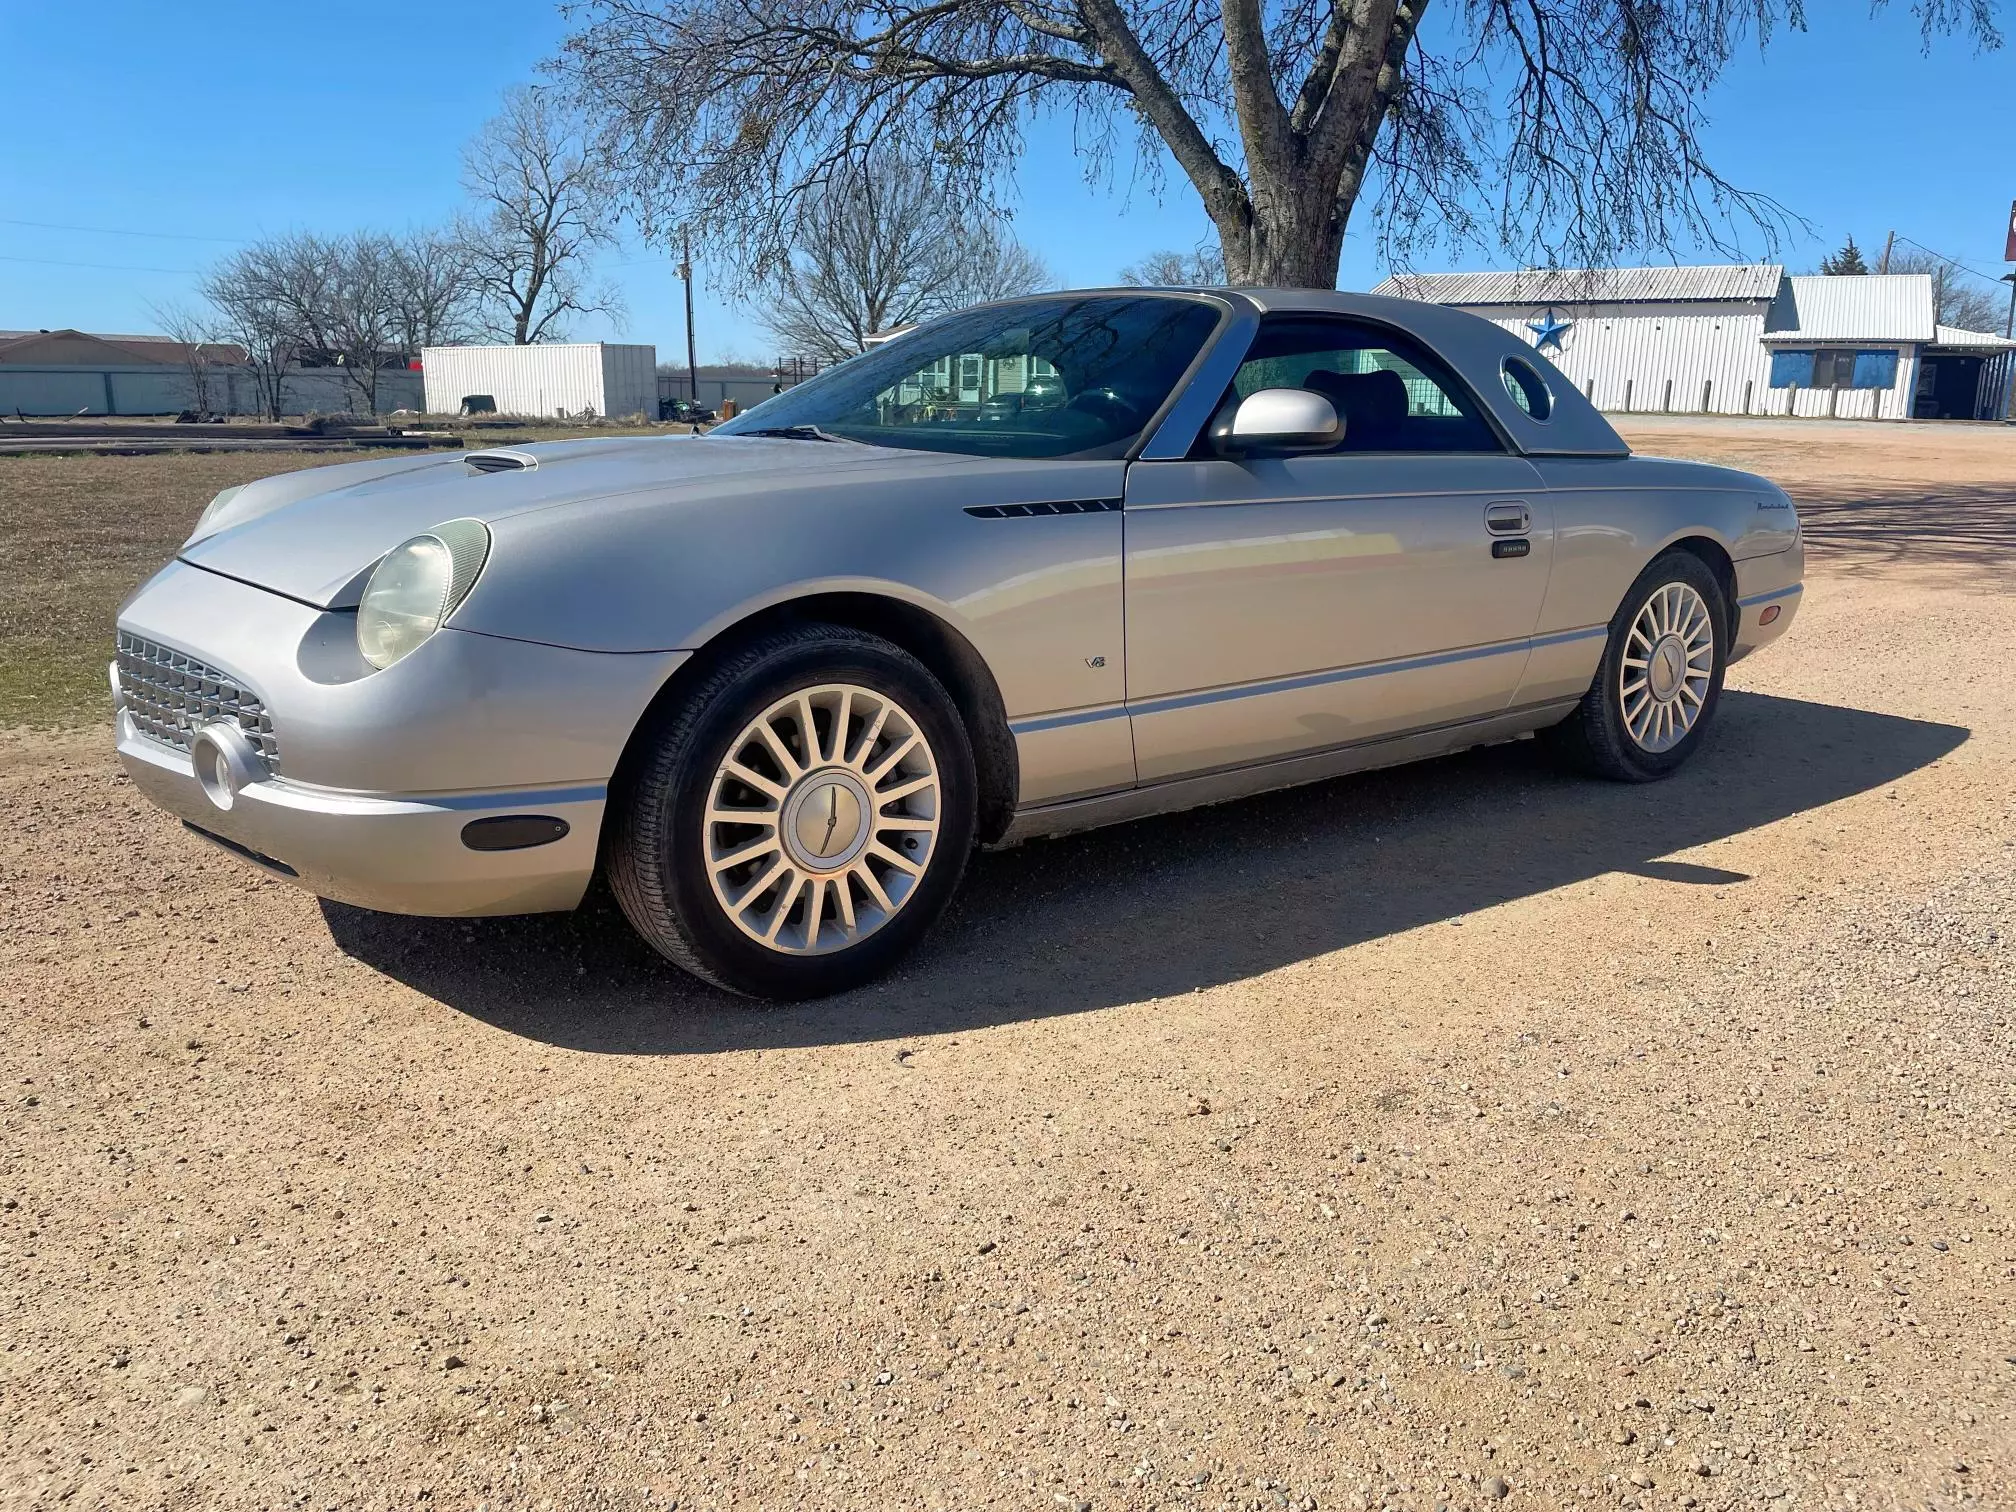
(416, 586)
(213, 509)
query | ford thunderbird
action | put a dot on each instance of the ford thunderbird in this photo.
(1037, 566)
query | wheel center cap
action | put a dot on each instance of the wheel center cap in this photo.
(1668, 669)
(824, 817)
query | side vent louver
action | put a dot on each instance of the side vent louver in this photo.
(1029, 511)
(500, 461)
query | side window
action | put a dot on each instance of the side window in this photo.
(1393, 394)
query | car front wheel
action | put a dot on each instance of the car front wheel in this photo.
(795, 824)
(1661, 677)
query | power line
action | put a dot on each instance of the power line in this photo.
(117, 231)
(1951, 262)
(60, 262)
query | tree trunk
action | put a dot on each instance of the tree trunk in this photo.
(1305, 162)
(1294, 247)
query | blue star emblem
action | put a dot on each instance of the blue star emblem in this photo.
(1548, 331)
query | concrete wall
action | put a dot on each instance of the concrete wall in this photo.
(160, 390)
(746, 392)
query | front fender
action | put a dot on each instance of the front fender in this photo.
(1038, 597)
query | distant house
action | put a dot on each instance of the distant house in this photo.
(72, 348)
(1747, 339)
(956, 386)
(72, 372)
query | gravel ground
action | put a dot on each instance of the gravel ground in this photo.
(1436, 1138)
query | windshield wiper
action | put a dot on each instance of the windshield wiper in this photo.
(792, 433)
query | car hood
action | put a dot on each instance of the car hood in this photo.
(315, 535)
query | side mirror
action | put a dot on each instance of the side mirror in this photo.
(1277, 420)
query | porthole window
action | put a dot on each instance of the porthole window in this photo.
(1527, 388)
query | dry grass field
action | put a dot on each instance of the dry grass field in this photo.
(1456, 1137)
(78, 533)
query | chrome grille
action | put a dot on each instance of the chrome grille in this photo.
(170, 696)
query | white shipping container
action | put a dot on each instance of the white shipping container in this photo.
(569, 379)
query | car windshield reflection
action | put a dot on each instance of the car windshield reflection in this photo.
(1060, 377)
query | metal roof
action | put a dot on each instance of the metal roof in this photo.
(1864, 307)
(1534, 286)
(1953, 336)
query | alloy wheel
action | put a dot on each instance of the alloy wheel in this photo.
(1669, 657)
(822, 819)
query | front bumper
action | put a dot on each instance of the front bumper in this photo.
(380, 773)
(400, 855)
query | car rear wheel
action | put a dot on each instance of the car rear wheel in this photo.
(1661, 677)
(794, 825)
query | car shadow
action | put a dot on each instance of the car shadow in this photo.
(1167, 905)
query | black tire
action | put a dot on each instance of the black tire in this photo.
(655, 857)
(1595, 738)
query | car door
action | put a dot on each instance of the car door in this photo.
(1288, 604)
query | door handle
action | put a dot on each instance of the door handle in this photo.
(1509, 517)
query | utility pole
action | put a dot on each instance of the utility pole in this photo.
(686, 272)
(1889, 242)
(2009, 326)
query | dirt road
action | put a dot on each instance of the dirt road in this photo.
(1443, 1136)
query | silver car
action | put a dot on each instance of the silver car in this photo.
(1041, 565)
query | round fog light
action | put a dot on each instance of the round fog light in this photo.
(1770, 613)
(225, 762)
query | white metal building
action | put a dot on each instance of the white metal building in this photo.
(1741, 340)
(568, 380)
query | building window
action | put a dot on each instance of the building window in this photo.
(1834, 368)
(1875, 370)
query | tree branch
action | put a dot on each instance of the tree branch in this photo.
(1220, 187)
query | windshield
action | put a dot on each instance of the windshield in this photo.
(1062, 377)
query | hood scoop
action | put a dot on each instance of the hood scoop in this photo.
(500, 461)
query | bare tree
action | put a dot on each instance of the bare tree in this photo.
(880, 247)
(275, 297)
(1562, 129)
(356, 302)
(997, 266)
(252, 316)
(432, 290)
(360, 322)
(1176, 270)
(542, 210)
(195, 331)
(1963, 300)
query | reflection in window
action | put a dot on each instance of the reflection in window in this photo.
(1527, 388)
(1392, 394)
(1057, 377)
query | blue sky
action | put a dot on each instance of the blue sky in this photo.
(205, 123)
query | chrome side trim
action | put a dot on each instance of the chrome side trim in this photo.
(1308, 680)
(1060, 721)
(1370, 498)
(1244, 782)
(1765, 598)
(1563, 637)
